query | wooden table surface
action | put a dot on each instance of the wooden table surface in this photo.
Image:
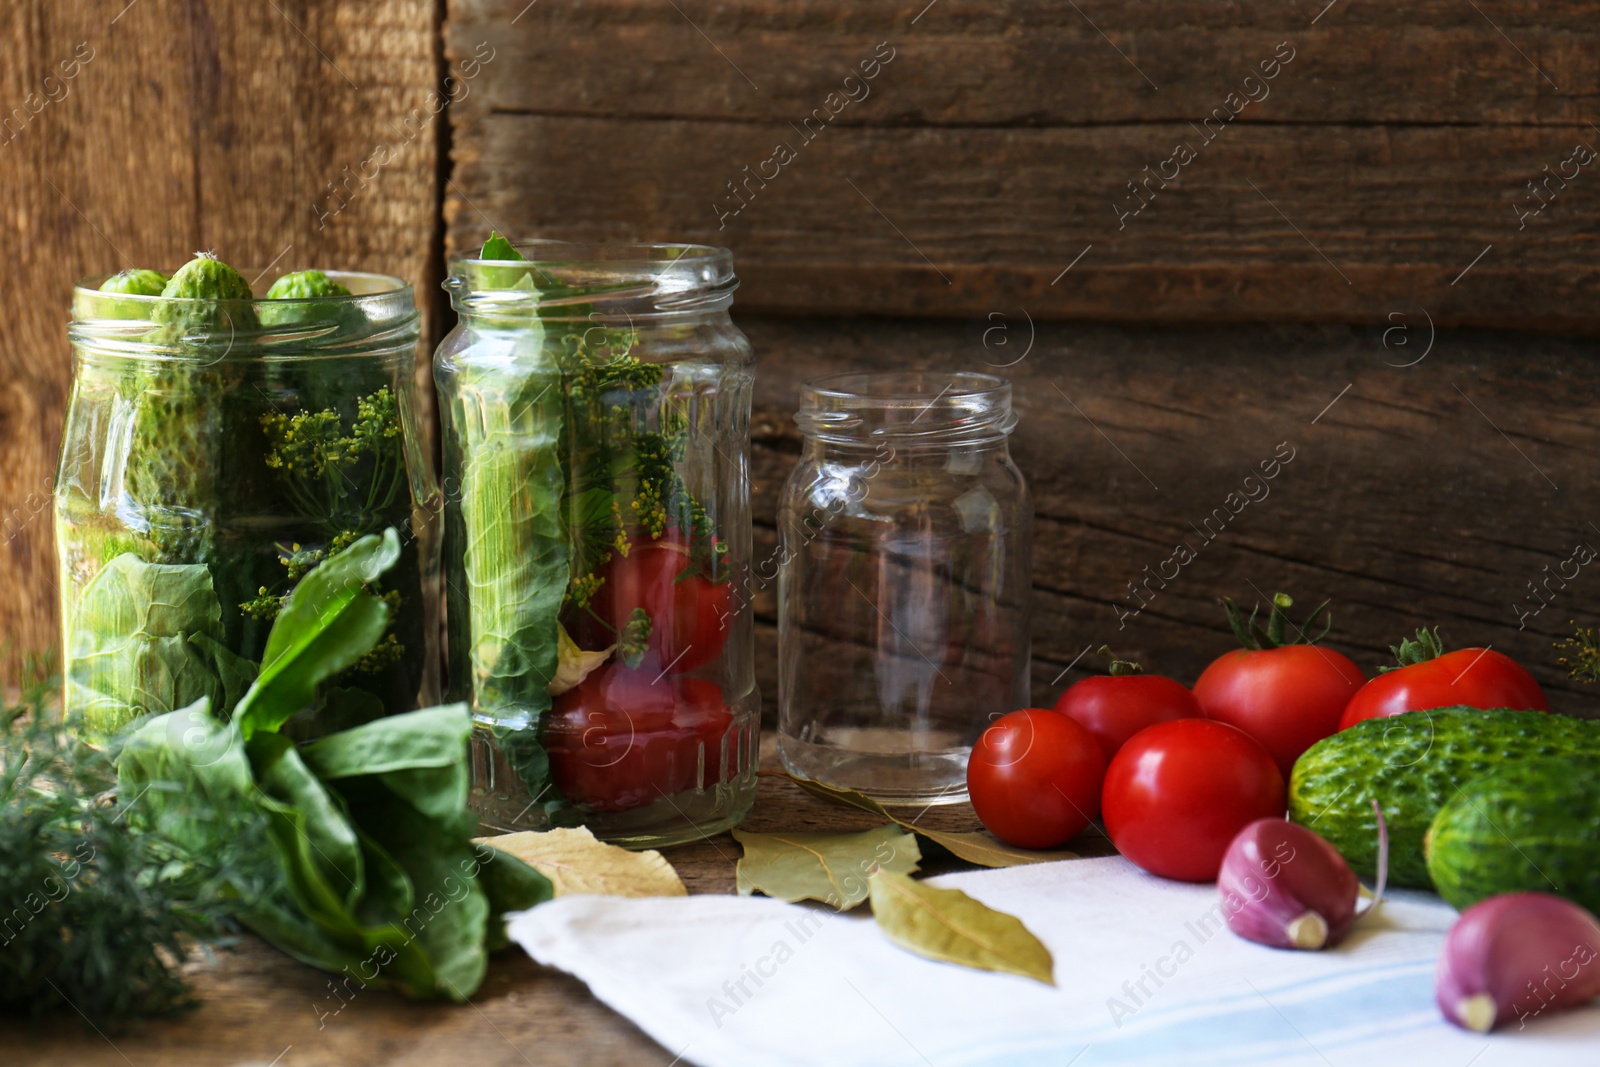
(260, 1008)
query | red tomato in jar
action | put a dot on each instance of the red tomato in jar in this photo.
(1034, 778)
(1118, 705)
(623, 738)
(1178, 793)
(688, 612)
(1429, 677)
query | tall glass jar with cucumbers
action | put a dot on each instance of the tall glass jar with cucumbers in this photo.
(217, 447)
(595, 403)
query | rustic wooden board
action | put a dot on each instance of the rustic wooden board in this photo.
(259, 1005)
(192, 126)
(1429, 494)
(1390, 152)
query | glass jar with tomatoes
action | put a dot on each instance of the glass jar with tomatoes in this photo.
(905, 583)
(595, 403)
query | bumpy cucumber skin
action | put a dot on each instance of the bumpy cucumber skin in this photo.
(135, 283)
(305, 285)
(1533, 824)
(1412, 764)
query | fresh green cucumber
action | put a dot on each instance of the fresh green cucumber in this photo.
(1532, 824)
(1412, 764)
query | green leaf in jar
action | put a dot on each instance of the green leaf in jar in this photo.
(327, 623)
(499, 250)
(129, 649)
(512, 546)
(830, 867)
(948, 925)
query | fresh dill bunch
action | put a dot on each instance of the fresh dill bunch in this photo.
(344, 478)
(95, 917)
(1581, 653)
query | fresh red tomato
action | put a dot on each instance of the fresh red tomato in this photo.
(1178, 793)
(1118, 705)
(1034, 778)
(1429, 677)
(1286, 695)
(688, 612)
(624, 738)
(1287, 698)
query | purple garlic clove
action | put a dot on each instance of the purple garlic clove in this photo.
(1283, 885)
(1515, 956)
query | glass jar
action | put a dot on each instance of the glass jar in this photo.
(213, 453)
(904, 590)
(596, 408)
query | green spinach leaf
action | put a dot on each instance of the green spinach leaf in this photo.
(327, 623)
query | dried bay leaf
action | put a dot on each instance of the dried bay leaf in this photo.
(981, 848)
(948, 925)
(576, 861)
(847, 797)
(987, 850)
(830, 867)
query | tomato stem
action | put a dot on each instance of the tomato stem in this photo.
(1409, 653)
(1119, 667)
(1253, 637)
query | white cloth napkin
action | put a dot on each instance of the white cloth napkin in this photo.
(1145, 971)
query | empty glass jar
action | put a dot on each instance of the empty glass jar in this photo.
(904, 589)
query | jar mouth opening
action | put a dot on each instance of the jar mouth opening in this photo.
(379, 315)
(935, 408)
(579, 278)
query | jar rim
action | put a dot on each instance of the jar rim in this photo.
(639, 278)
(910, 407)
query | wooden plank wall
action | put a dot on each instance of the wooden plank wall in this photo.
(185, 125)
(1377, 151)
(976, 196)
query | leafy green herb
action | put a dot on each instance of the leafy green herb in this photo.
(328, 623)
(371, 870)
(92, 914)
(1581, 654)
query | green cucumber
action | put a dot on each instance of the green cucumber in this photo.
(1533, 824)
(1412, 764)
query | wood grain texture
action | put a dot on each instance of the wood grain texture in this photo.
(194, 125)
(1435, 494)
(258, 1004)
(1000, 141)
